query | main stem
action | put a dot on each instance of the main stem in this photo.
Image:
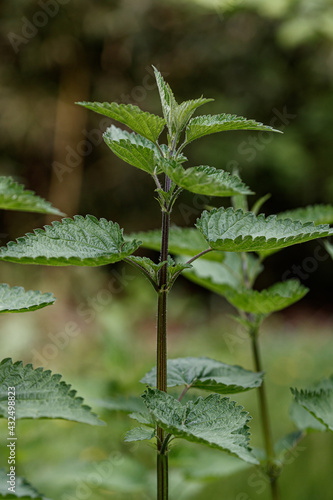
(266, 425)
(162, 458)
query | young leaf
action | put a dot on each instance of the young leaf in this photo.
(39, 394)
(210, 124)
(140, 434)
(185, 110)
(23, 489)
(16, 299)
(207, 374)
(168, 101)
(133, 149)
(143, 123)
(277, 297)
(318, 214)
(214, 421)
(318, 401)
(13, 196)
(238, 231)
(205, 180)
(84, 241)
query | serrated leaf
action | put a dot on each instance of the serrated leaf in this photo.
(16, 299)
(318, 401)
(214, 421)
(39, 394)
(318, 214)
(221, 277)
(277, 297)
(182, 241)
(238, 231)
(23, 489)
(84, 241)
(304, 420)
(205, 180)
(168, 101)
(146, 124)
(13, 196)
(133, 149)
(210, 124)
(185, 110)
(139, 434)
(207, 374)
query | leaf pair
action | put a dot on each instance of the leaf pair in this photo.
(213, 420)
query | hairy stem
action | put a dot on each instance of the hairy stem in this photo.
(266, 425)
(162, 458)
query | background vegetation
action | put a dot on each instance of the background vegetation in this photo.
(261, 59)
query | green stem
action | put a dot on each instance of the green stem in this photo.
(162, 458)
(266, 425)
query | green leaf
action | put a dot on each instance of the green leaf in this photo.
(84, 241)
(182, 241)
(303, 420)
(318, 214)
(139, 434)
(214, 421)
(23, 489)
(210, 124)
(168, 101)
(221, 277)
(205, 180)
(148, 265)
(238, 231)
(133, 149)
(39, 394)
(277, 297)
(207, 374)
(13, 196)
(318, 401)
(185, 110)
(16, 299)
(148, 125)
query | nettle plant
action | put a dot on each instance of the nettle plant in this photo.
(231, 244)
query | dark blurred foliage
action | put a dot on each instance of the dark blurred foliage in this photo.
(271, 61)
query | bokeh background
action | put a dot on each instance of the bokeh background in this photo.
(271, 61)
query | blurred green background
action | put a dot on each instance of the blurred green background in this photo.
(267, 60)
